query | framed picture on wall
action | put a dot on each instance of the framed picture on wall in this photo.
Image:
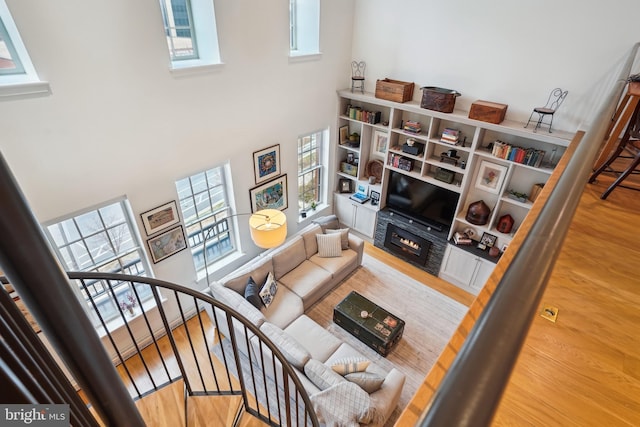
(166, 244)
(490, 177)
(159, 218)
(266, 163)
(270, 195)
(380, 143)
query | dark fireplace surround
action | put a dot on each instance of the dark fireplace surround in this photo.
(406, 238)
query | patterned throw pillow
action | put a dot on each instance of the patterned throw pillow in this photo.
(329, 245)
(268, 290)
(349, 365)
(252, 293)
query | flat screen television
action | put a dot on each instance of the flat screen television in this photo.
(425, 203)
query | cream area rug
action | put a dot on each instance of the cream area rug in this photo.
(430, 317)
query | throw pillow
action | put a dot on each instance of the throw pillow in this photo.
(252, 293)
(368, 381)
(344, 237)
(268, 290)
(321, 375)
(329, 245)
(349, 365)
(290, 348)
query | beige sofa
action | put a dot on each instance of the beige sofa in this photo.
(303, 277)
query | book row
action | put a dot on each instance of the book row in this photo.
(526, 156)
(357, 113)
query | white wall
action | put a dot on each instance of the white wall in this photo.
(505, 51)
(118, 123)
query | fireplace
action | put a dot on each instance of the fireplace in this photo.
(407, 245)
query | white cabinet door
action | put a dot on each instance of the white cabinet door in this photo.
(345, 210)
(365, 221)
(355, 216)
(483, 271)
(458, 266)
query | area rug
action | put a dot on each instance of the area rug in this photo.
(431, 318)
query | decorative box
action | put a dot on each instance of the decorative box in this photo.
(405, 164)
(415, 149)
(394, 90)
(486, 111)
(349, 169)
(438, 99)
(445, 175)
(535, 191)
(505, 224)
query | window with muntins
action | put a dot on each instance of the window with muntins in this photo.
(304, 27)
(190, 29)
(207, 215)
(310, 167)
(9, 59)
(102, 240)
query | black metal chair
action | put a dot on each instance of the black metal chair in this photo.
(357, 75)
(556, 97)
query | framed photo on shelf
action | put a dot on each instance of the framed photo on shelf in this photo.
(375, 197)
(266, 163)
(345, 185)
(343, 134)
(490, 177)
(159, 218)
(270, 195)
(380, 140)
(487, 241)
(166, 244)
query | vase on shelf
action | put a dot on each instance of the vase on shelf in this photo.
(478, 213)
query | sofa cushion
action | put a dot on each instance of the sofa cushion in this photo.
(367, 381)
(238, 303)
(257, 269)
(309, 236)
(285, 308)
(268, 291)
(318, 341)
(344, 236)
(329, 245)
(252, 293)
(350, 364)
(291, 349)
(338, 266)
(321, 375)
(309, 281)
(288, 257)
(327, 222)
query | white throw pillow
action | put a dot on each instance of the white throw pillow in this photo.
(269, 289)
(329, 245)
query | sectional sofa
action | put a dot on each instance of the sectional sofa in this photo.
(306, 267)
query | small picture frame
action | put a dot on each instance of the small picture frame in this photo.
(343, 135)
(346, 185)
(270, 195)
(166, 244)
(160, 218)
(504, 247)
(266, 163)
(380, 141)
(351, 158)
(487, 241)
(490, 177)
(375, 197)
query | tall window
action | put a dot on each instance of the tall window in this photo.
(310, 166)
(190, 28)
(9, 60)
(206, 209)
(101, 240)
(304, 27)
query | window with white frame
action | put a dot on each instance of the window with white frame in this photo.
(102, 239)
(17, 74)
(311, 161)
(304, 27)
(206, 211)
(190, 28)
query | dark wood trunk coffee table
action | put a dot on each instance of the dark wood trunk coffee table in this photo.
(368, 322)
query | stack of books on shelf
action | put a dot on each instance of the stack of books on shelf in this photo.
(461, 239)
(450, 136)
(357, 113)
(400, 162)
(412, 127)
(525, 156)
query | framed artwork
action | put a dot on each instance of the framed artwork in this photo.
(343, 134)
(380, 143)
(490, 177)
(345, 185)
(375, 197)
(166, 244)
(159, 218)
(487, 241)
(270, 195)
(266, 163)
